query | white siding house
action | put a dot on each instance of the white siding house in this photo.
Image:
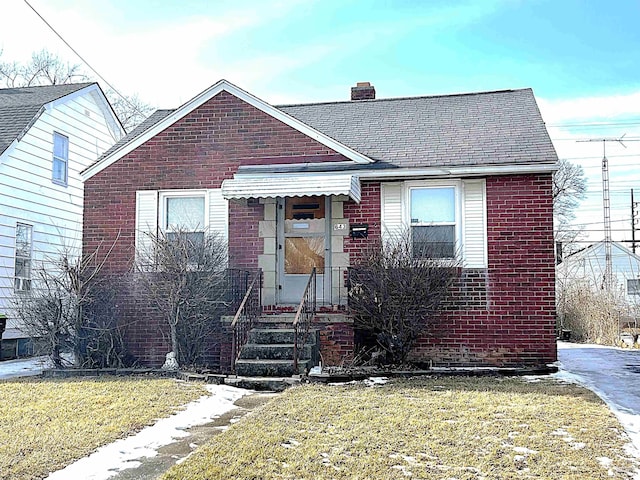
(588, 265)
(48, 135)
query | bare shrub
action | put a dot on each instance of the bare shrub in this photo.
(591, 314)
(398, 288)
(183, 276)
(71, 308)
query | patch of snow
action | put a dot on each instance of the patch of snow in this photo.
(24, 367)
(375, 381)
(122, 454)
(291, 443)
(403, 469)
(525, 450)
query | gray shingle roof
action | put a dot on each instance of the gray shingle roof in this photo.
(488, 128)
(142, 127)
(19, 107)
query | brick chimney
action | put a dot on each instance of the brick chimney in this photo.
(363, 91)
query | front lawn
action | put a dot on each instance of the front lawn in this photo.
(47, 424)
(439, 428)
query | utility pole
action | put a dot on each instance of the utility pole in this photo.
(634, 221)
(606, 205)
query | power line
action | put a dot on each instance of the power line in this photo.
(83, 60)
(594, 124)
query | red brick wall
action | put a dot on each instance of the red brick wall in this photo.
(514, 324)
(367, 211)
(244, 243)
(199, 151)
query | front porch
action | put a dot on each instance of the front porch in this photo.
(285, 340)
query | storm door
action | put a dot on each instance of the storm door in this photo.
(303, 243)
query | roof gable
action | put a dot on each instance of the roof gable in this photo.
(21, 107)
(162, 119)
(597, 250)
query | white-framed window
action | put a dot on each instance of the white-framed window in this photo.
(22, 264)
(60, 170)
(185, 212)
(434, 217)
(633, 286)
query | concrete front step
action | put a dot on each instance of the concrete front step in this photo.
(273, 351)
(270, 368)
(271, 335)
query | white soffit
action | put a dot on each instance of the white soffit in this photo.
(292, 186)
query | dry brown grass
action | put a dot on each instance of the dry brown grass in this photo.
(47, 424)
(462, 428)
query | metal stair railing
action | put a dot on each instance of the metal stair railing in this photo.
(248, 312)
(304, 315)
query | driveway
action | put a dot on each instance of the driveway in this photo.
(612, 373)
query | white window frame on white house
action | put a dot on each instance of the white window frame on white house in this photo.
(166, 196)
(23, 259)
(60, 164)
(411, 186)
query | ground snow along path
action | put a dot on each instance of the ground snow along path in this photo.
(122, 454)
(613, 374)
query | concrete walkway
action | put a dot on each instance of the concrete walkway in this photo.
(612, 373)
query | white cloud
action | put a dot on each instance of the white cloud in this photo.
(591, 108)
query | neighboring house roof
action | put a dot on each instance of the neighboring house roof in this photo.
(437, 131)
(597, 249)
(20, 107)
(502, 128)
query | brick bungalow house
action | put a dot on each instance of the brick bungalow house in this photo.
(297, 186)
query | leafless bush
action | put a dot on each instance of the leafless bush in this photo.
(591, 314)
(71, 309)
(398, 288)
(183, 276)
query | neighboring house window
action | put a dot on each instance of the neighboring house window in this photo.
(184, 214)
(633, 286)
(433, 220)
(60, 159)
(24, 234)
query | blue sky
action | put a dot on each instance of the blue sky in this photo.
(580, 57)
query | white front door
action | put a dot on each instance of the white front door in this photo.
(303, 227)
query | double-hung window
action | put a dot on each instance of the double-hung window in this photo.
(633, 286)
(22, 265)
(60, 172)
(434, 221)
(184, 214)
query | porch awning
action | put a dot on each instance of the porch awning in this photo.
(292, 186)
